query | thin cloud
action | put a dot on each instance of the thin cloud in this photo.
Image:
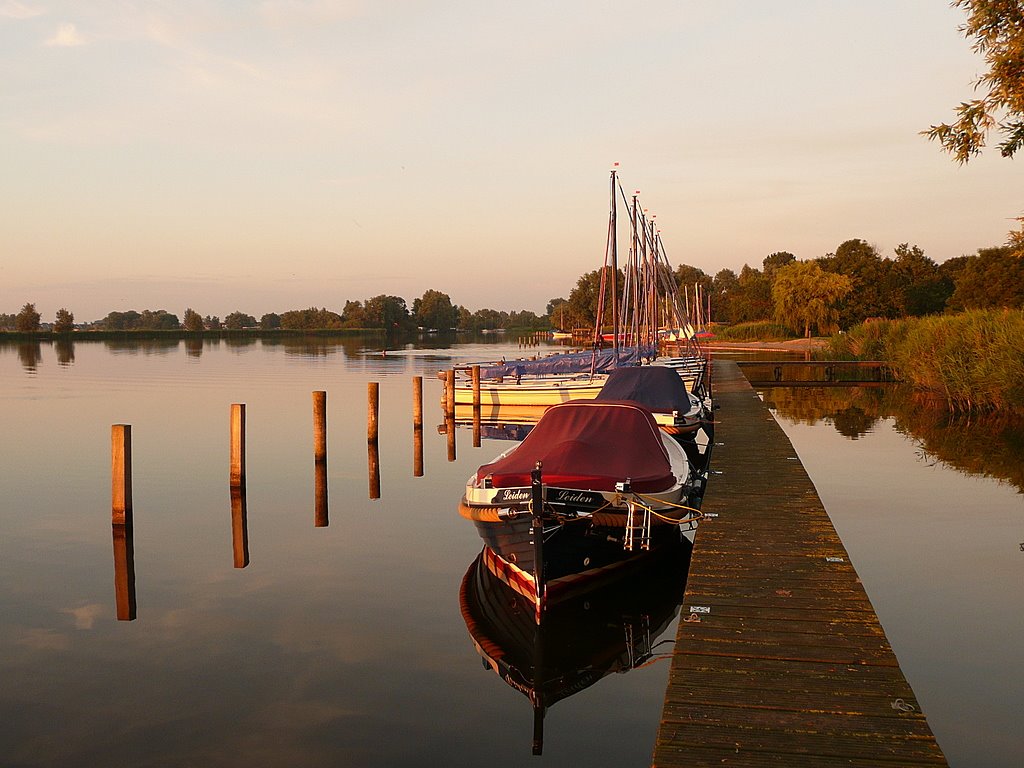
(67, 36)
(11, 9)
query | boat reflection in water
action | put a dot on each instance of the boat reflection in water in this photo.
(614, 627)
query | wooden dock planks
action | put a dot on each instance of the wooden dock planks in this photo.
(780, 659)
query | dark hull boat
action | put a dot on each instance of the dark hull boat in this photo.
(594, 487)
(659, 389)
(613, 629)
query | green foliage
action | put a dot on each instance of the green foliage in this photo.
(147, 320)
(869, 277)
(997, 30)
(992, 278)
(973, 360)
(270, 321)
(238, 320)
(28, 319)
(434, 311)
(310, 319)
(7, 321)
(193, 320)
(760, 330)
(806, 297)
(64, 321)
(387, 312)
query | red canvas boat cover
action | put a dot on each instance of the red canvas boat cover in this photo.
(589, 445)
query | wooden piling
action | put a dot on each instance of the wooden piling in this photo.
(449, 406)
(320, 426)
(239, 527)
(121, 474)
(417, 426)
(372, 411)
(124, 571)
(237, 444)
(476, 386)
(449, 430)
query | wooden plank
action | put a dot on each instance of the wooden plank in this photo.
(780, 658)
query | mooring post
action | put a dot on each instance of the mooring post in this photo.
(237, 444)
(372, 410)
(320, 427)
(239, 527)
(449, 409)
(121, 474)
(476, 406)
(417, 426)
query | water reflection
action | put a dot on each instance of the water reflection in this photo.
(124, 571)
(194, 347)
(30, 354)
(65, 349)
(613, 628)
(239, 526)
(987, 445)
(132, 344)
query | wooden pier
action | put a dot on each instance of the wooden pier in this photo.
(780, 659)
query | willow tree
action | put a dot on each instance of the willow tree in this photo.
(996, 28)
(806, 296)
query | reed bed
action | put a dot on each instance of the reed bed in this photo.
(754, 331)
(974, 360)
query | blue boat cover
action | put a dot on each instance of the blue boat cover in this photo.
(570, 362)
(656, 387)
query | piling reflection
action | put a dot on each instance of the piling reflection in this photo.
(321, 515)
(373, 465)
(239, 527)
(124, 571)
(613, 628)
(987, 445)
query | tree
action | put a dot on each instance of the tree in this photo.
(997, 29)
(27, 319)
(992, 278)
(193, 320)
(916, 283)
(8, 322)
(868, 272)
(270, 320)
(775, 261)
(211, 322)
(752, 297)
(352, 314)
(238, 320)
(806, 296)
(723, 287)
(434, 311)
(64, 322)
(311, 319)
(387, 312)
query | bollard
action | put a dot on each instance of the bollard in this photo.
(121, 474)
(237, 444)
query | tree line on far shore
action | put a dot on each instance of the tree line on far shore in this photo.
(836, 291)
(433, 311)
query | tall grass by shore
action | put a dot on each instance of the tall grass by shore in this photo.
(754, 331)
(973, 360)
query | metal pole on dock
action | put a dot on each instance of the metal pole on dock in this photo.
(121, 474)
(237, 444)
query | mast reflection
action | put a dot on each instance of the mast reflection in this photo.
(612, 628)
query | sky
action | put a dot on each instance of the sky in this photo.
(266, 156)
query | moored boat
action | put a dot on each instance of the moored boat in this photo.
(661, 391)
(594, 485)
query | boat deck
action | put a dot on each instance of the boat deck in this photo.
(783, 660)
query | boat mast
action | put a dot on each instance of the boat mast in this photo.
(615, 270)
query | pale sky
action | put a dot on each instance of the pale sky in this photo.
(266, 156)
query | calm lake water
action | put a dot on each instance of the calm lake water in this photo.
(347, 644)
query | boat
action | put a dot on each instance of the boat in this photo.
(660, 390)
(595, 484)
(612, 629)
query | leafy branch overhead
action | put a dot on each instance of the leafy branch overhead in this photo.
(997, 30)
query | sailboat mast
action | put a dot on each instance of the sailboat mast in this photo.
(615, 270)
